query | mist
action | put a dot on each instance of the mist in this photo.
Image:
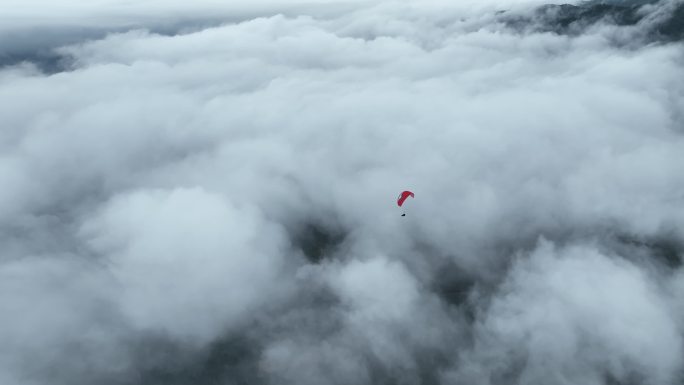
(206, 193)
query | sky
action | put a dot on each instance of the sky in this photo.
(202, 193)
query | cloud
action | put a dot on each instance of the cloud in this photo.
(214, 202)
(165, 251)
(575, 316)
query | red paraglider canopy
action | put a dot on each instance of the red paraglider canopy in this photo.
(403, 196)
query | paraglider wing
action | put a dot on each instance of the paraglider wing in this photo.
(403, 196)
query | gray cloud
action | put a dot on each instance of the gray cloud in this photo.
(575, 316)
(214, 202)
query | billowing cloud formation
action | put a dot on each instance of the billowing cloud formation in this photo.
(576, 316)
(215, 204)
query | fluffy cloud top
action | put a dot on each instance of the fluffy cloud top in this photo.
(215, 203)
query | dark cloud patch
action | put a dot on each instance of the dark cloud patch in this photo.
(662, 22)
(667, 249)
(568, 18)
(453, 285)
(672, 29)
(48, 63)
(318, 242)
(40, 46)
(229, 360)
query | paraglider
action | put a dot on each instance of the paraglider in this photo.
(402, 198)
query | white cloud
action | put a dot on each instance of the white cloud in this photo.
(167, 178)
(187, 261)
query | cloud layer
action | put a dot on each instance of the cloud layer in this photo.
(213, 203)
